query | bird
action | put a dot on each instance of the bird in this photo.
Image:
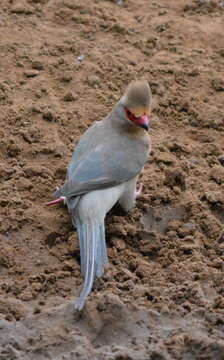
(103, 171)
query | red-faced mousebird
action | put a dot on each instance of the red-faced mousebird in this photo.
(103, 171)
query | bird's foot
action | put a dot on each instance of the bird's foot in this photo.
(138, 191)
(57, 201)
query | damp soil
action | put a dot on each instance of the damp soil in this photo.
(63, 65)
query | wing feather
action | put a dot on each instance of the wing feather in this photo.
(102, 164)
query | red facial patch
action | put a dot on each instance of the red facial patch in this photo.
(141, 120)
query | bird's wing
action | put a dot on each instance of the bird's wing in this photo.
(103, 166)
(85, 144)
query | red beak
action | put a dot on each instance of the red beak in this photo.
(143, 121)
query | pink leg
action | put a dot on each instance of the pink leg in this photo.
(139, 191)
(57, 201)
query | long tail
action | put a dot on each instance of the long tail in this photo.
(93, 254)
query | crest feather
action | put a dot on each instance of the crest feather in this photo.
(138, 94)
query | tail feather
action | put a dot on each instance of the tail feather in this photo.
(102, 258)
(104, 247)
(90, 265)
(98, 254)
(83, 247)
(93, 255)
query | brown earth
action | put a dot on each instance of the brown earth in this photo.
(63, 65)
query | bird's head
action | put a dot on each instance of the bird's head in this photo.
(136, 103)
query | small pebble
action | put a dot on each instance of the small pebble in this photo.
(221, 159)
(81, 58)
(31, 73)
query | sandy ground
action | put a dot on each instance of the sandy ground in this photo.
(63, 65)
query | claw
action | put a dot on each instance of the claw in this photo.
(57, 201)
(139, 191)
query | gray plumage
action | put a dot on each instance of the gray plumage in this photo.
(103, 170)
